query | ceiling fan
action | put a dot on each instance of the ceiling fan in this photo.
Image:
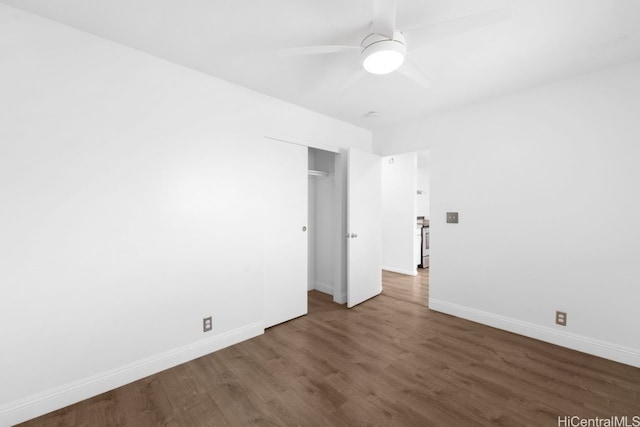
(384, 50)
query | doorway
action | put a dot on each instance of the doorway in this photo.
(344, 225)
(311, 196)
(405, 198)
(406, 222)
(324, 222)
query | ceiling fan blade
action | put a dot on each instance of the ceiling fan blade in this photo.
(315, 50)
(411, 70)
(433, 32)
(351, 81)
(384, 17)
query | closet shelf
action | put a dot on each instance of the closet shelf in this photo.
(317, 173)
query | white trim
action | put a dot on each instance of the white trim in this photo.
(401, 271)
(341, 299)
(276, 136)
(325, 288)
(607, 350)
(50, 400)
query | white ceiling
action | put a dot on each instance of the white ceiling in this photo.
(237, 40)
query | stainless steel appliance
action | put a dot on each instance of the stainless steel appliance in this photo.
(425, 247)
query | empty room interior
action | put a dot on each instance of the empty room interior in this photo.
(364, 212)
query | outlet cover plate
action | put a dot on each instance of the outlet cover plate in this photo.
(561, 318)
(452, 217)
(207, 324)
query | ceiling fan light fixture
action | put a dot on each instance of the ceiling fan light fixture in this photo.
(381, 55)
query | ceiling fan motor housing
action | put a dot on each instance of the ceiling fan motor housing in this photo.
(382, 55)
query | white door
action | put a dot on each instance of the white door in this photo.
(364, 225)
(283, 219)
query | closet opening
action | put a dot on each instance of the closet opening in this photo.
(325, 213)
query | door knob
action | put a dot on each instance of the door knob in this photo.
(354, 235)
(304, 228)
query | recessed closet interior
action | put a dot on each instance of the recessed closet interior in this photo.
(325, 223)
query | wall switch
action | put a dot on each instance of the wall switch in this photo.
(207, 324)
(561, 318)
(452, 217)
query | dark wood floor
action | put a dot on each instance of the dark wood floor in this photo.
(389, 361)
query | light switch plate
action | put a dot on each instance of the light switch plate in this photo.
(452, 217)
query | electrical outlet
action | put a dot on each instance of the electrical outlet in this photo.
(561, 318)
(452, 217)
(207, 324)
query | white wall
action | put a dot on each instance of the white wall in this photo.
(399, 187)
(546, 184)
(326, 236)
(325, 230)
(128, 189)
(311, 234)
(423, 199)
(340, 220)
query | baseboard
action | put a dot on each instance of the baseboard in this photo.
(328, 289)
(325, 288)
(401, 271)
(617, 353)
(51, 400)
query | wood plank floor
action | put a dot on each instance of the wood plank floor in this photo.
(389, 361)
